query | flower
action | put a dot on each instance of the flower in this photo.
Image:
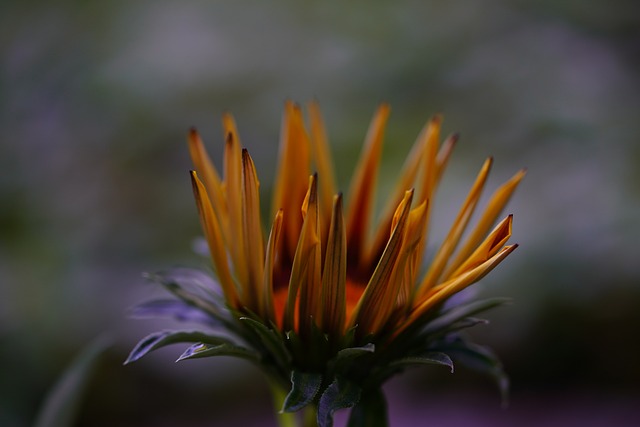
(328, 307)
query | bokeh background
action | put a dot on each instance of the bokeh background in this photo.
(95, 101)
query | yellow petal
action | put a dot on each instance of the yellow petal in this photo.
(268, 308)
(406, 181)
(233, 182)
(205, 168)
(252, 232)
(323, 164)
(453, 286)
(291, 180)
(442, 159)
(453, 237)
(305, 257)
(214, 239)
(334, 275)
(495, 206)
(362, 188)
(494, 241)
(379, 298)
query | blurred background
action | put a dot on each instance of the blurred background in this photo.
(95, 102)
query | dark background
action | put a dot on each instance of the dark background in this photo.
(95, 102)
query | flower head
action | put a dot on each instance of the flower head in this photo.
(328, 304)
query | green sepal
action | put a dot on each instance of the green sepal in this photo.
(481, 359)
(347, 356)
(200, 350)
(304, 388)
(340, 394)
(430, 358)
(186, 288)
(271, 340)
(371, 410)
(164, 338)
(444, 322)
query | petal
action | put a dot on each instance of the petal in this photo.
(304, 255)
(233, 182)
(379, 298)
(252, 232)
(362, 188)
(205, 168)
(453, 237)
(268, 308)
(216, 247)
(495, 206)
(292, 176)
(334, 275)
(453, 286)
(323, 164)
(496, 240)
(406, 181)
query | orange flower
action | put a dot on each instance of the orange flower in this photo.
(321, 267)
(327, 303)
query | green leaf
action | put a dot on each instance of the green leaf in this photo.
(62, 402)
(340, 394)
(371, 410)
(200, 350)
(271, 340)
(304, 387)
(164, 338)
(450, 317)
(430, 358)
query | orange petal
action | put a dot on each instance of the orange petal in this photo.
(334, 275)
(406, 181)
(453, 286)
(323, 164)
(233, 182)
(305, 255)
(453, 237)
(379, 298)
(494, 241)
(268, 308)
(362, 188)
(292, 173)
(495, 206)
(216, 246)
(205, 168)
(252, 232)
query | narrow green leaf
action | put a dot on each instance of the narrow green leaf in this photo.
(430, 358)
(62, 401)
(164, 338)
(457, 313)
(304, 387)
(200, 350)
(340, 394)
(270, 339)
(371, 410)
